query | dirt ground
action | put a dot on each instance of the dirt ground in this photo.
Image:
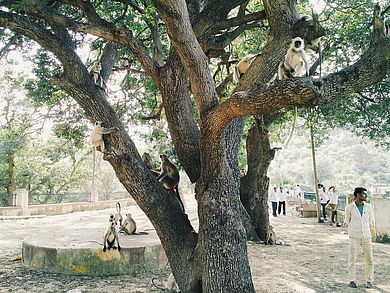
(313, 260)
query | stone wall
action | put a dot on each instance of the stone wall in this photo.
(62, 208)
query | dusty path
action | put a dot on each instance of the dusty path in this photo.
(313, 261)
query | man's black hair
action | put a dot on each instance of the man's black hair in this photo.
(358, 190)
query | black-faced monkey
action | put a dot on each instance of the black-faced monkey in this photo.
(111, 236)
(295, 61)
(169, 177)
(129, 226)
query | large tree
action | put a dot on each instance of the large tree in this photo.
(214, 259)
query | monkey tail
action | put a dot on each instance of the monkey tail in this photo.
(236, 74)
(93, 169)
(292, 128)
(178, 197)
(158, 287)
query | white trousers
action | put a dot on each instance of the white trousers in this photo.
(365, 244)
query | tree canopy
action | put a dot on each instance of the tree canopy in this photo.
(171, 46)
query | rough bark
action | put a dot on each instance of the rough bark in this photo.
(216, 259)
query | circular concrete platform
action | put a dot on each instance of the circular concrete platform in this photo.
(80, 252)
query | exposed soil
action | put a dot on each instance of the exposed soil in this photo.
(313, 260)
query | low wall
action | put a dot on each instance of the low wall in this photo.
(381, 208)
(63, 208)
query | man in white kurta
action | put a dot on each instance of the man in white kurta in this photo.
(359, 217)
(273, 197)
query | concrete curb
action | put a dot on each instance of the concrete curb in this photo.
(139, 253)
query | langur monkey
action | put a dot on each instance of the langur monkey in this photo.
(97, 135)
(271, 236)
(295, 61)
(97, 141)
(94, 71)
(295, 64)
(129, 227)
(169, 177)
(242, 67)
(111, 236)
(118, 217)
(147, 160)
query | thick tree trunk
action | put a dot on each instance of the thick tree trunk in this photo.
(254, 186)
(222, 237)
(11, 178)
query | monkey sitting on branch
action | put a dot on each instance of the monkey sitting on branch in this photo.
(94, 70)
(169, 177)
(295, 61)
(295, 64)
(111, 236)
(242, 67)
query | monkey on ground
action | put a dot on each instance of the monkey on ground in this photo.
(169, 177)
(111, 236)
(242, 67)
(118, 217)
(94, 71)
(271, 236)
(295, 61)
(129, 227)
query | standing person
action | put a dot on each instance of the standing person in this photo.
(359, 217)
(298, 191)
(333, 201)
(324, 199)
(282, 201)
(273, 197)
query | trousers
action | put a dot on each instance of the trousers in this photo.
(365, 244)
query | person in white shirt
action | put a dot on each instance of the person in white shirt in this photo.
(298, 191)
(333, 201)
(359, 217)
(273, 197)
(282, 201)
(324, 199)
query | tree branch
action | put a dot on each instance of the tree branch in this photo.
(191, 54)
(99, 28)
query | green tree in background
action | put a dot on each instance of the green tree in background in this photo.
(135, 36)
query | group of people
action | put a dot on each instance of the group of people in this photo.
(278, 200)
(329, 199)
(359, 217)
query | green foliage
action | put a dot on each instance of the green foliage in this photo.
(51, 167)
(74, 134)
(42, 89)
